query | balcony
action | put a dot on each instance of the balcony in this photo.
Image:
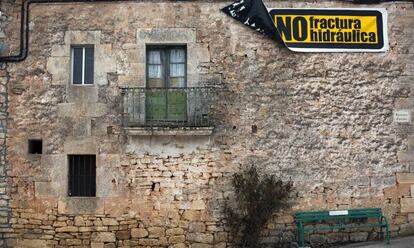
(167, 111)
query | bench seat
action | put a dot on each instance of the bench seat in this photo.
(341, 219)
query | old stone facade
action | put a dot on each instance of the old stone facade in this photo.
(323, 120)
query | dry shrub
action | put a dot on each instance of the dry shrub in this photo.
(257, 196)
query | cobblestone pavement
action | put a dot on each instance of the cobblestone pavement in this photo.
(406, 242)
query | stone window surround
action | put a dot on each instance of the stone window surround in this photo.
(135, 73)
(59, 63)
(81, 101)
(55, 181)
(196, 54)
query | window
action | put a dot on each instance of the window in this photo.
(82, 175)
(82, 65)
(35, 146)
(166, 99)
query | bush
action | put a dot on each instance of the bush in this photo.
(257, 197)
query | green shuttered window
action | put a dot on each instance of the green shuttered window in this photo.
(166, 78)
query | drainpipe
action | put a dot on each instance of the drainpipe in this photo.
(24, 25)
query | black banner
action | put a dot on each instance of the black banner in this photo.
(254, 14)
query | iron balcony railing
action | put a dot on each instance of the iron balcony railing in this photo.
(167, 107)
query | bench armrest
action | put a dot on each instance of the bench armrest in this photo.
(384, 219)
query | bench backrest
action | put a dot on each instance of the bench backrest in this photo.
(339, 214)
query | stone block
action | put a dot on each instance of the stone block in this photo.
(406, 229)
(156, 232)
(105, 63)
(220, 245)
(116, 206)
(405, 156)
(210, 79)
(333, 238)
(137, 69)
(144, 209)
(400, 219)
(130, 81)
(404, 103)
(123, 235)
(174, 231)
(73, 242)
(203, 54)
(411, 217)
(57, 169)
(82, 126)
(166, 35)
(358, 236)
(67, 229)
(82, 37)
(79, 221)
(149, 242)
(96, 110)
(198, 227)
(407, 205)
(200, 245)
(176, 239)
(191, 215)
(85, 145)
(97, 245)
(136, 55)
(82, 109)
(180, 245)
(67, 110)
(129, 46)
(31, 243)
(412, 190)
(139, 233)
(220, 237)
(81, 205)
(58, 67)
(60, 51)
(103, 237)
(405, 178)
(82, 94)
(87, 229)
(285, 219)
(200, 238)
(109, 222)
(397, 191)
(198, 205)
(110, 181)
(193, 78)
(47, 189)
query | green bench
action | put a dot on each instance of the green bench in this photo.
(341, 219)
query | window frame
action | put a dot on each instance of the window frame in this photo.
(166, 62)
(72, 174)
(72, 63)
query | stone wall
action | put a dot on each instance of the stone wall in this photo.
(323, 120)
(5, 212)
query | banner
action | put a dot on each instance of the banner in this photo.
(254, 14)
(317, 30)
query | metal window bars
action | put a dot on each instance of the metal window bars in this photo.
(167, 107)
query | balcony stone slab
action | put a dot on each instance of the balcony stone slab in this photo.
(169, 131)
